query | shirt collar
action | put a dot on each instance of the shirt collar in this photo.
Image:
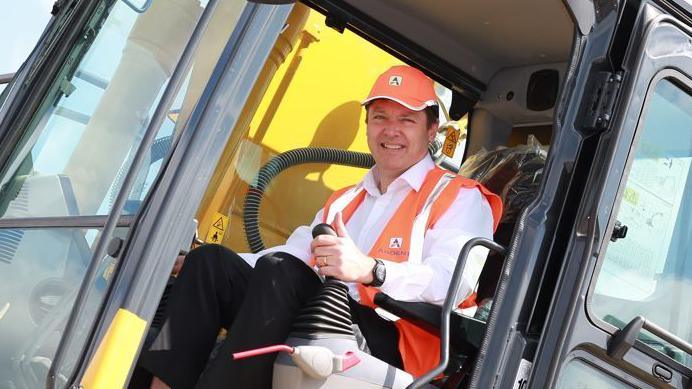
(413, 177)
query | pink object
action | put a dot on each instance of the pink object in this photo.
(351, 359)
(263, 350)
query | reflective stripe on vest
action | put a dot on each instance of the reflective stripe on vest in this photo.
(419, 229)
(402, 240)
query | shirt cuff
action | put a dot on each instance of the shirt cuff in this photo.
(405, 281)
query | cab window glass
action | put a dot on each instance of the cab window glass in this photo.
(648, 272)
(40, 273)
(74, 158)
(72, 161)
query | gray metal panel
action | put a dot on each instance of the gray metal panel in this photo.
(63, 221)
(537, 229)
(569, 324)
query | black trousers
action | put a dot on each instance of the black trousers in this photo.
(218, 289)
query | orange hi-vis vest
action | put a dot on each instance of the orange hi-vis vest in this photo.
(403, 237)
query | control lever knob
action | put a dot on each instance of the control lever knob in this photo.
(323, 229)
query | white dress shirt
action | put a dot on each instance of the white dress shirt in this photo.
(418, 279)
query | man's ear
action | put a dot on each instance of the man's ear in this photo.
(433, 130)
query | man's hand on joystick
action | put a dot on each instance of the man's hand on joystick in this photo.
(338, 256)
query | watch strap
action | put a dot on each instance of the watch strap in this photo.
(378, 273)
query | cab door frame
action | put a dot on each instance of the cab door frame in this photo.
(508, 352)
(163, 226)
(569, 330)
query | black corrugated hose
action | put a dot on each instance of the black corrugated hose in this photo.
(327, 313)
(280, 163)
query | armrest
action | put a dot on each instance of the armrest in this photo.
(426, 313)
(466, 332)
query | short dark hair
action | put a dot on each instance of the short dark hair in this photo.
(431, 114)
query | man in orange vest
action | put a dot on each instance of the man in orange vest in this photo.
(399, 230)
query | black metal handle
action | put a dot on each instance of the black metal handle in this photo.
(450, 303)
(624, 339)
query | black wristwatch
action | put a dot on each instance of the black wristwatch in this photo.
(379, 272)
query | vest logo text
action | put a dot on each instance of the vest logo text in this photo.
(392, 252)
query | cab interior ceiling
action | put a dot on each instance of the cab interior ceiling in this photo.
(498, 44)
(480, 37)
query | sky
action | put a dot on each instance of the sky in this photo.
(22, 22)
(28, 16)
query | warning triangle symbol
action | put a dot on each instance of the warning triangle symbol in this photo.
(219, 224)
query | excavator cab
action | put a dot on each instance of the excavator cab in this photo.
(137, 127)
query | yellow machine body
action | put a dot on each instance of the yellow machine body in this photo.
(308, 96)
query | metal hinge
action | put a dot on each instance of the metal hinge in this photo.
(599, 107)
(66, 87)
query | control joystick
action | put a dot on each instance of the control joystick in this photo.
(323, 229)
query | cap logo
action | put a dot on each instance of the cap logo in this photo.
(395, 80)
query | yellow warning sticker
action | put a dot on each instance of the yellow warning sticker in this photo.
(451, 141)
(217, 228)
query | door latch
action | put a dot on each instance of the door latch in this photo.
(619, 231)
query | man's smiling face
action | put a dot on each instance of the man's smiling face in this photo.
(398, 137)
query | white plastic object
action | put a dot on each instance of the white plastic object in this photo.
(315, 361)
(320, 362)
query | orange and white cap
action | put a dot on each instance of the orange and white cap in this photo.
(406, 85)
